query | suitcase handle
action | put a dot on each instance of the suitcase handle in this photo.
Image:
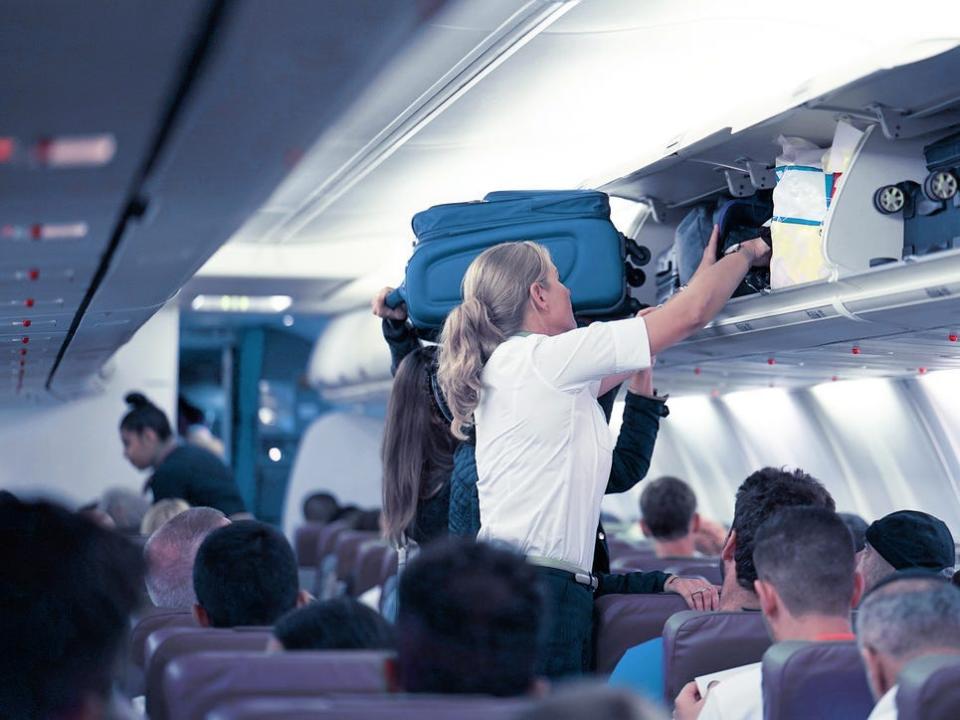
(395, 299)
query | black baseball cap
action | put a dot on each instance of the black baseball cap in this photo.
(913, 539)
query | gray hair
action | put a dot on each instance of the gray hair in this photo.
(873, 567)
(909, 617)
(171, 551)
(126, 507)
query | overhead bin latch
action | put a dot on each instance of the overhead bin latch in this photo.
(899, 125)
(658, 208)
(762, 177)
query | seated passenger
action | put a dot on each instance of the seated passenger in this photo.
(669, 515)
(170, 553)
(179, 470)
(857, 527)
(67, 590)
(321, 507)
(338, 624)
(906, 539)
(160, 512)
(125, 507)
(907, 616)
(245, 574)
(806, 584)
(469, 621)
(760, 495)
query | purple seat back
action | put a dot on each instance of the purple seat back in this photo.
(347, 549)
(804, 680)
(696, 643)
(157, 619)
(633, 560)
(194, 684)
(397, 707)
(619, 548)
(165, 646)
(929, 688)
(327, 538)
(368, 565)
(305, 543)
(622, 621)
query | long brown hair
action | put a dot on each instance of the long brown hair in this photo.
(417, 449)
(496, 290)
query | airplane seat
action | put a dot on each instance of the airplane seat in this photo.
(815, 679)
(168, 644)
(194, 684)
(707, 568)
(347, 550)
(402, 707)
(150, 619)
(645, 562)
(305, 543)
(391, 561)
(622, 621)
(929, 688)
(368, 566)
(326, 560)
(618, 547)
(697, 643)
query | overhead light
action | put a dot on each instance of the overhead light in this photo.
(76, 151)
(241, 303)
(287, 321)
(275, 454)
(267, 416)
(493, 50)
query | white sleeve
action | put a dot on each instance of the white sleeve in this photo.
(592, 353)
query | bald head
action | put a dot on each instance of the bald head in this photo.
(170, 554)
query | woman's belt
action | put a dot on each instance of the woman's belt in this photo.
(579, 575)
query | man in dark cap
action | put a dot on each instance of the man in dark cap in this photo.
(906, 539)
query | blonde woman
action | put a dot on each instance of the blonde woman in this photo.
(516, 369)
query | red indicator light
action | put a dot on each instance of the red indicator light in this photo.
(29, 302)
(23, 351)
(922, 371)
(34, 274)
(36, 231)
(7, 146)
(855, 351)
(697, 371)
(715, 393)
(771, 361)
(27, 323)
(25, 341)
(952, 337)
(834, 378)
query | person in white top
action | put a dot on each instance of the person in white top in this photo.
(807, 584)
(514, 366)
(909, 615)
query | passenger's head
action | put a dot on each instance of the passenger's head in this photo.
(161, 512)
(469, 621)
(505, 287)
(906, 539)
(805, 567)
(857, 527)
(245, 574)
(593, 700)
(417, 449)
(758, 497)
(67, 589)
(905, 617)
(126, 508)
(669, 509)
(170, 553)
(338, 624)
(143, 431)
(320, 507)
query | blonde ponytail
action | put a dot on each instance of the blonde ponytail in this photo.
(496, 290)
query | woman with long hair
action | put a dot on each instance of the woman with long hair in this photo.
(515, 368)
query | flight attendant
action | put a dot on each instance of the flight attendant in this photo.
(179, 470)
(516, 369)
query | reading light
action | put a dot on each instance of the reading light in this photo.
(241, 303)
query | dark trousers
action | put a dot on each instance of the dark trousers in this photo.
(568, 633)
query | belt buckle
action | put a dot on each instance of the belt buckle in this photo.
(587, 579)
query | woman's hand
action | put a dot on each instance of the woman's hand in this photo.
(699, 594)
(380, 309)
(758, 251)
(688, 703)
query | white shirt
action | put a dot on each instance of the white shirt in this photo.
(737, 697)
(886, 707)
(544, 448)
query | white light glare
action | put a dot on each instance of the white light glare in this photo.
(242, 303)
(267, 416)
(275, 454)
(287, 320)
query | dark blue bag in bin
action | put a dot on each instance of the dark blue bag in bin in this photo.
(573, 225)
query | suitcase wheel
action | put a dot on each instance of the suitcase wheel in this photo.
(889, 199)
(940, 185)
(638, 254)
(635, 276)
